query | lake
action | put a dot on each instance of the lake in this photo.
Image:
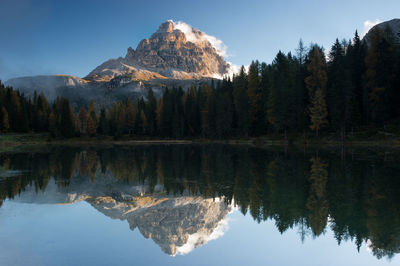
(199, 205)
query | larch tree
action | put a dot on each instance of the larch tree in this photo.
(316, 85)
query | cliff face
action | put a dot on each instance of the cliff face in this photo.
(168, 53)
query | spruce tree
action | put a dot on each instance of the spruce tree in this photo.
(241, 101)
(255, 98)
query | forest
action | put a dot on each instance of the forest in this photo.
(353, 87)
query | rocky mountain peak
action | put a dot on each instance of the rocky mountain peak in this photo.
(167, 26)
(174, 51)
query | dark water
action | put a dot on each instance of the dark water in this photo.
(199, 205)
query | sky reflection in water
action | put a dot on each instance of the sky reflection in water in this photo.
(181, 205)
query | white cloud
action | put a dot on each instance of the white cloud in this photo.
(200, 238)
(198, 37)
(368, 24)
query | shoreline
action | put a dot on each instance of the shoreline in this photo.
(11, 141)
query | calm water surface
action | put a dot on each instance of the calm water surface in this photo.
(199, 205)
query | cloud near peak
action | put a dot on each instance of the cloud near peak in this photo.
(368, 24)
(196, 36)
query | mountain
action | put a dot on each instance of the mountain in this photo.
(168, 53)
(393, 25)
(176, 223)
(175, 55)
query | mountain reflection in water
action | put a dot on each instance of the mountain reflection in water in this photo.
(180, 195)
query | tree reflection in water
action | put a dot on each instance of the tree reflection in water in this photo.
(357, 195)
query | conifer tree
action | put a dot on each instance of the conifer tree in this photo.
(224, 109)
(192, 112)
(91, 126)
(103, 123)
(241, 101)
(53, 124)
(379, 77)
(208, 112)
(83, 120)
(316, 84)
(255, 98)
(4, 120)
(318, 111)
(66, 119)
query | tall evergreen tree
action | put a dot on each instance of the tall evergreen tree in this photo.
(379, 76)
(255, 98)
(224, 109)
(241, 101)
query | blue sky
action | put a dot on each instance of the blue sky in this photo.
(73, 37)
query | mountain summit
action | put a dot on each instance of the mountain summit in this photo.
(175, 51)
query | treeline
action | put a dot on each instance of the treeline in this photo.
(356, 195)
(356, 85)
